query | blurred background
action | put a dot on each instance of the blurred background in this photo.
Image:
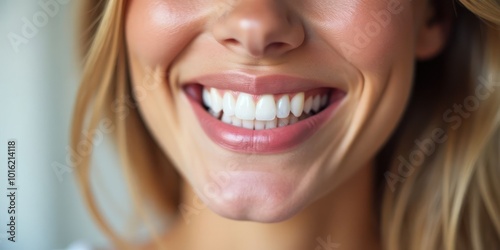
(39, 75)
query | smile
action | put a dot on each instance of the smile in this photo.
(263, 111)
(264, 115)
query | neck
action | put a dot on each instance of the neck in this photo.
(344, 219)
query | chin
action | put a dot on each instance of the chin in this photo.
(254, 196)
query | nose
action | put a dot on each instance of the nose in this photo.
(259, 28)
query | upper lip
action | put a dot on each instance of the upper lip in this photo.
(257, 85)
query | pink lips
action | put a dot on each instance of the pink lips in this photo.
(260, 141)
(257, 85)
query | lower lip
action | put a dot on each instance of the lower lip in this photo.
(269, 141)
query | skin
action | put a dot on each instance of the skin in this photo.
(321, 188)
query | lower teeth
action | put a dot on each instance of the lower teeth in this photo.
(257, 124)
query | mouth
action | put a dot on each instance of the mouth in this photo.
(263, 115)
(260, 112)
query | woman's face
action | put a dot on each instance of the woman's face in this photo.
(264, 106)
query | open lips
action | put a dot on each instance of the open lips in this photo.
(253, 116)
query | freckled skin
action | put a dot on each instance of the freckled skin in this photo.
(342, 43)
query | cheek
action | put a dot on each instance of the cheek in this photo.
(157, 30)
(377, 40)
(370, 34)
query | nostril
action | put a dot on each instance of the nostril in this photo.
(253, 28)
(231, 41)
(276, 46)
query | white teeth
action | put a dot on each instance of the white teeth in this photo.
(245, 107)
(316, 103)
(283, 122)
(228, 104)
(248, 124)
(271, 124)
(244, 112)
(324, 100)
(283, 107)
(216, 100)
(266, 108)
(260, 125)
(207, 98)
(236, 122)
(215, 114)
(297, 104)
(226, 118)
(308, 105)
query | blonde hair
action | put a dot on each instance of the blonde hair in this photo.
(446, 198)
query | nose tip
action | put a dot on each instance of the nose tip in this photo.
(259, 28)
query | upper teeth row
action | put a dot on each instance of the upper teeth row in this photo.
(266, 108)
